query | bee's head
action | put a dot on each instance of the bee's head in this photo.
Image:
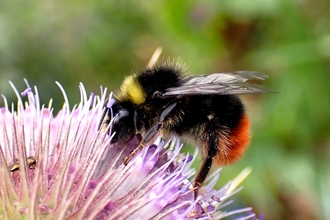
(123, 123)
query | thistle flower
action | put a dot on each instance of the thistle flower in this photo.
(62, 167)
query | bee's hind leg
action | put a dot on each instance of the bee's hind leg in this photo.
(210, 149)
(152, 133)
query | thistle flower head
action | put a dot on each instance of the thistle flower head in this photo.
(61, 167)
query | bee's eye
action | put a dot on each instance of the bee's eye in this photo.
(120, 115)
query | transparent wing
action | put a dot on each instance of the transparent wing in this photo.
(219, 84)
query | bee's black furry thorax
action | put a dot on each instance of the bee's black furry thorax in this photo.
(159, 79)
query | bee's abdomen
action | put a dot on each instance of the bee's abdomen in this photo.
(231, 146)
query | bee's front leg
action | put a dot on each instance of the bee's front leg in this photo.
(152, 133)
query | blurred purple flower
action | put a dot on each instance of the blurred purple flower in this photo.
(78, 175)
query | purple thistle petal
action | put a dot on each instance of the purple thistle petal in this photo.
(111, 101)
(92, 98)
(26, 91)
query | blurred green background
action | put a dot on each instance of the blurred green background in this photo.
(99, 42)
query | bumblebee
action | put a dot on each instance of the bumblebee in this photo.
(204, 109)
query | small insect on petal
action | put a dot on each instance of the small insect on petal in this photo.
(14, 166)
(31, 162)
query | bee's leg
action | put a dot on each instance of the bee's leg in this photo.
(151, 134)
(137, 135)
(202, 174)
(211, 152)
